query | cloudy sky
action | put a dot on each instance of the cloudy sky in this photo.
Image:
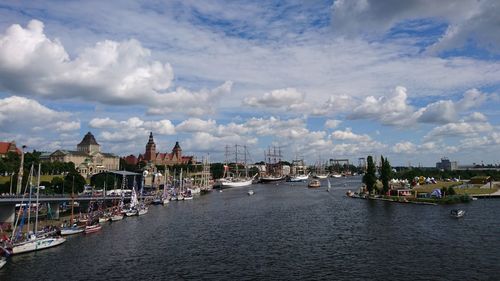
(413, 80)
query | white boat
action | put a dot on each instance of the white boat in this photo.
(235, 183)
(36, 240)
(457, 213)
(250, 192)
(314, 184)
(320, 176)
(131, 212)
(195, 190)
(92, 228)
(299, 178)
(36, 243)
(165, 201)
(117, 217)
(103, 219)
(71, 230)
(271, 179)
(336, 175)
(142, 211)
(3, 261)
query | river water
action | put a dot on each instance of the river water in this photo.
(282, 232)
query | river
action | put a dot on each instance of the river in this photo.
(282, 232)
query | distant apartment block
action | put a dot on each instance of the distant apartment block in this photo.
(447, 165)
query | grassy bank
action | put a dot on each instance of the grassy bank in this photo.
(457, 186)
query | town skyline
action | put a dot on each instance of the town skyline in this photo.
(326, 79)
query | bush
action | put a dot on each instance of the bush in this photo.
(451, 191)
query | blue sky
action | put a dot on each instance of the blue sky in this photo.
(413, 80)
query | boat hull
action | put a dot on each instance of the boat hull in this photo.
(142, 211)
(117, 217)
(37, 244)
(228, 184)
(92, 228)
(271, 179)
(71, 231)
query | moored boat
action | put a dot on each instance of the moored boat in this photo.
(267, 179)
(117, 217)
(299, 178)
(314, 184)
(71, 230)
(226, 183)
(142, 211)
(36, 243)
(92, 228)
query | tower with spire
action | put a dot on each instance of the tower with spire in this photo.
(150, 154)
(177, 152)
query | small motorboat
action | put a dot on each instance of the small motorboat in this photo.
(314, 184)
(92, 228)
(117, 217)
(456, 213)
(250, 192)
(71, 230)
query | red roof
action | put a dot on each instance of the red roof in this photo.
(4, 147)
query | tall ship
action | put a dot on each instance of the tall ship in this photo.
(274, 167)
(235, 173)
(320, 170)
(299, 171)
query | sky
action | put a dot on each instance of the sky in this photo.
(413, 80)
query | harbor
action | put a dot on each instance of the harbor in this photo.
(283, 231)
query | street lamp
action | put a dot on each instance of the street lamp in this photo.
(11, 176)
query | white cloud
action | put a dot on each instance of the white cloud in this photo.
(280, 98)
(392, 110)
(332, 124)
(348, 135)
(404, 147)
(191, 103)
(196, 125)
(459, 129)
(468, 20)
(133, 129)
(100, 123)
(443, 111)
(115, 73)
(334, 104)
(22, 114)
(476, 117)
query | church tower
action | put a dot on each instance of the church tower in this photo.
(177, 152)
(150, 154)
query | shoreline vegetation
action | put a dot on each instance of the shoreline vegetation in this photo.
(379, 184)
(460, 192)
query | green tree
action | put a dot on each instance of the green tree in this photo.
(56, 185)
(217, 170)
(79, 182)
(369, 178)
(385, 174)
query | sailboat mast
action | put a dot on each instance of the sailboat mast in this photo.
(37, 196)
(72, 202)
(29, 202)
(236, 159)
